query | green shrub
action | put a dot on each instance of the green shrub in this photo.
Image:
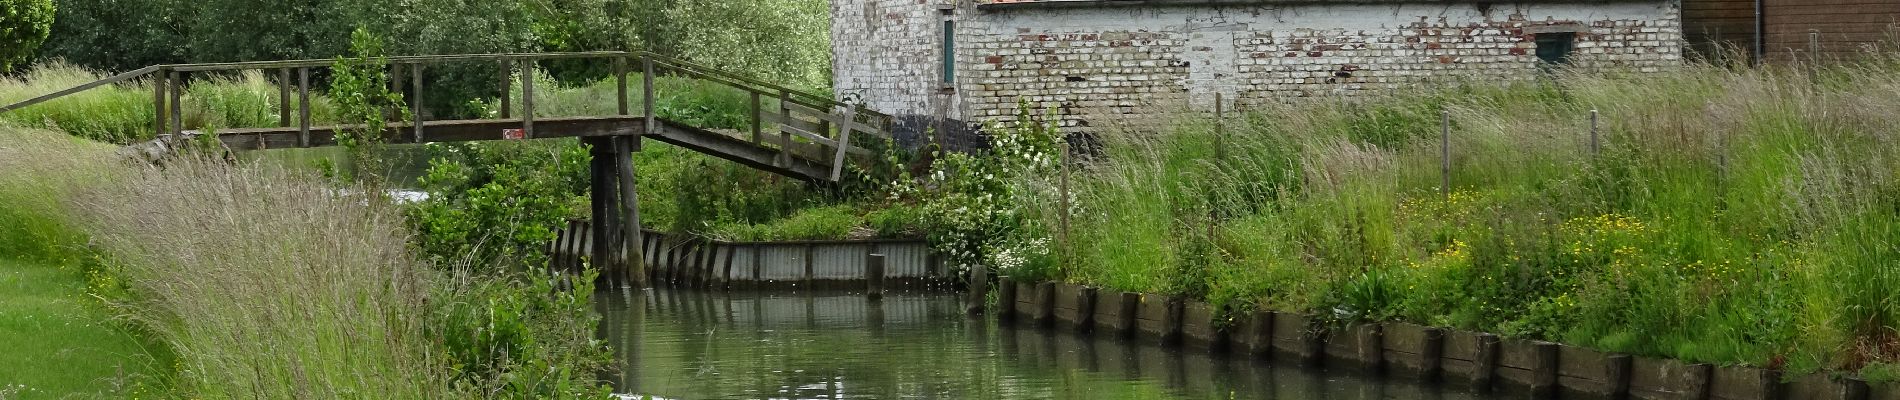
(24, 25)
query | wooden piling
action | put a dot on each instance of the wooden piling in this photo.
(979, 287)
(632, 254)
(1045, 303)
(874, 276)
(605, 206)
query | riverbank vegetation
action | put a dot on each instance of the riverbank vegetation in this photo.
(335, 302)
(1726, 215)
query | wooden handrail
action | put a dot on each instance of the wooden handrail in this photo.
(76, 89)
(687, 68)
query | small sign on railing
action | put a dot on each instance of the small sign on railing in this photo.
(513, 134)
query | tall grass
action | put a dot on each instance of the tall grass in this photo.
(124, 113)
(271, 284)
(1744, 216)
(61, 341)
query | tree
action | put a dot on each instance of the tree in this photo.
(24, 25)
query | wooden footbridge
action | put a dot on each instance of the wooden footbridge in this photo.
(790, 133)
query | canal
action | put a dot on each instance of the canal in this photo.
(676, 344)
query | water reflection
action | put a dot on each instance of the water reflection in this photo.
(698, 345)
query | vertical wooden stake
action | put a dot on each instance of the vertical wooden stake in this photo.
(159, 121)
(632, 252)
(874, 276)
(647, 72)
(303, 107)
(178, 103)
(604, 206)
(758, 120)
(1486, 363)
(507, 90)
(527, 98)
(1220, 129)
(979, 286)
(1062, 231)
(283, 97)
(1595, 146)
(620, 82)
(785, 117)
(1444, 154)
(1432, 354)
(415, 101)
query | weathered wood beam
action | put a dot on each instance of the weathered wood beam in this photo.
(439, 131)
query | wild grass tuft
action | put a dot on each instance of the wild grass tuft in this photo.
(1737, 216)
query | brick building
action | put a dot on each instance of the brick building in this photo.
(945, 63)
(1780, 31)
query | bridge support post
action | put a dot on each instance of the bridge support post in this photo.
(606, 209)
(633, 261)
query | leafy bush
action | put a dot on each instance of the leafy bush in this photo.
(988, 208)
(499, 201)
(24, 25)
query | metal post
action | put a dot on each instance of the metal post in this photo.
(303, 106)
(874, 276)
(283, 97)
(1444, 154)
(527, 98)
(415, 101)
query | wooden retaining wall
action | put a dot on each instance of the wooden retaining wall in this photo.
(1481, 361)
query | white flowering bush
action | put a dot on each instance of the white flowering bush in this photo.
(987, 207)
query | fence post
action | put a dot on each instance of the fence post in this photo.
(758, 122)
(1595, 147)
(1062, 239)
(1444, 153)
(178, 106)
(620, 82)
(527, 98)
(507, 90)
(874, 276)
(647, 77)
(415, 101)
(303, 106)
(283, 97)
(158, 102)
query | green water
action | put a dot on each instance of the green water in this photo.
(698, 345)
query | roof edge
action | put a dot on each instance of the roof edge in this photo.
(1033, 4)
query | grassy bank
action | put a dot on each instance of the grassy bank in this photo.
(335, 303)
(63, 343)
(61, 340)
(1730, 216)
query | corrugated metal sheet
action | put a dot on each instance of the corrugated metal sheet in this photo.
(839, 261)
(786, 262)
(782, 263)
(906, 260)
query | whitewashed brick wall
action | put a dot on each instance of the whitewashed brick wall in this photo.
(1111, 64)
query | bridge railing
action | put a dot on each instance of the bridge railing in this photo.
(779, 116)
